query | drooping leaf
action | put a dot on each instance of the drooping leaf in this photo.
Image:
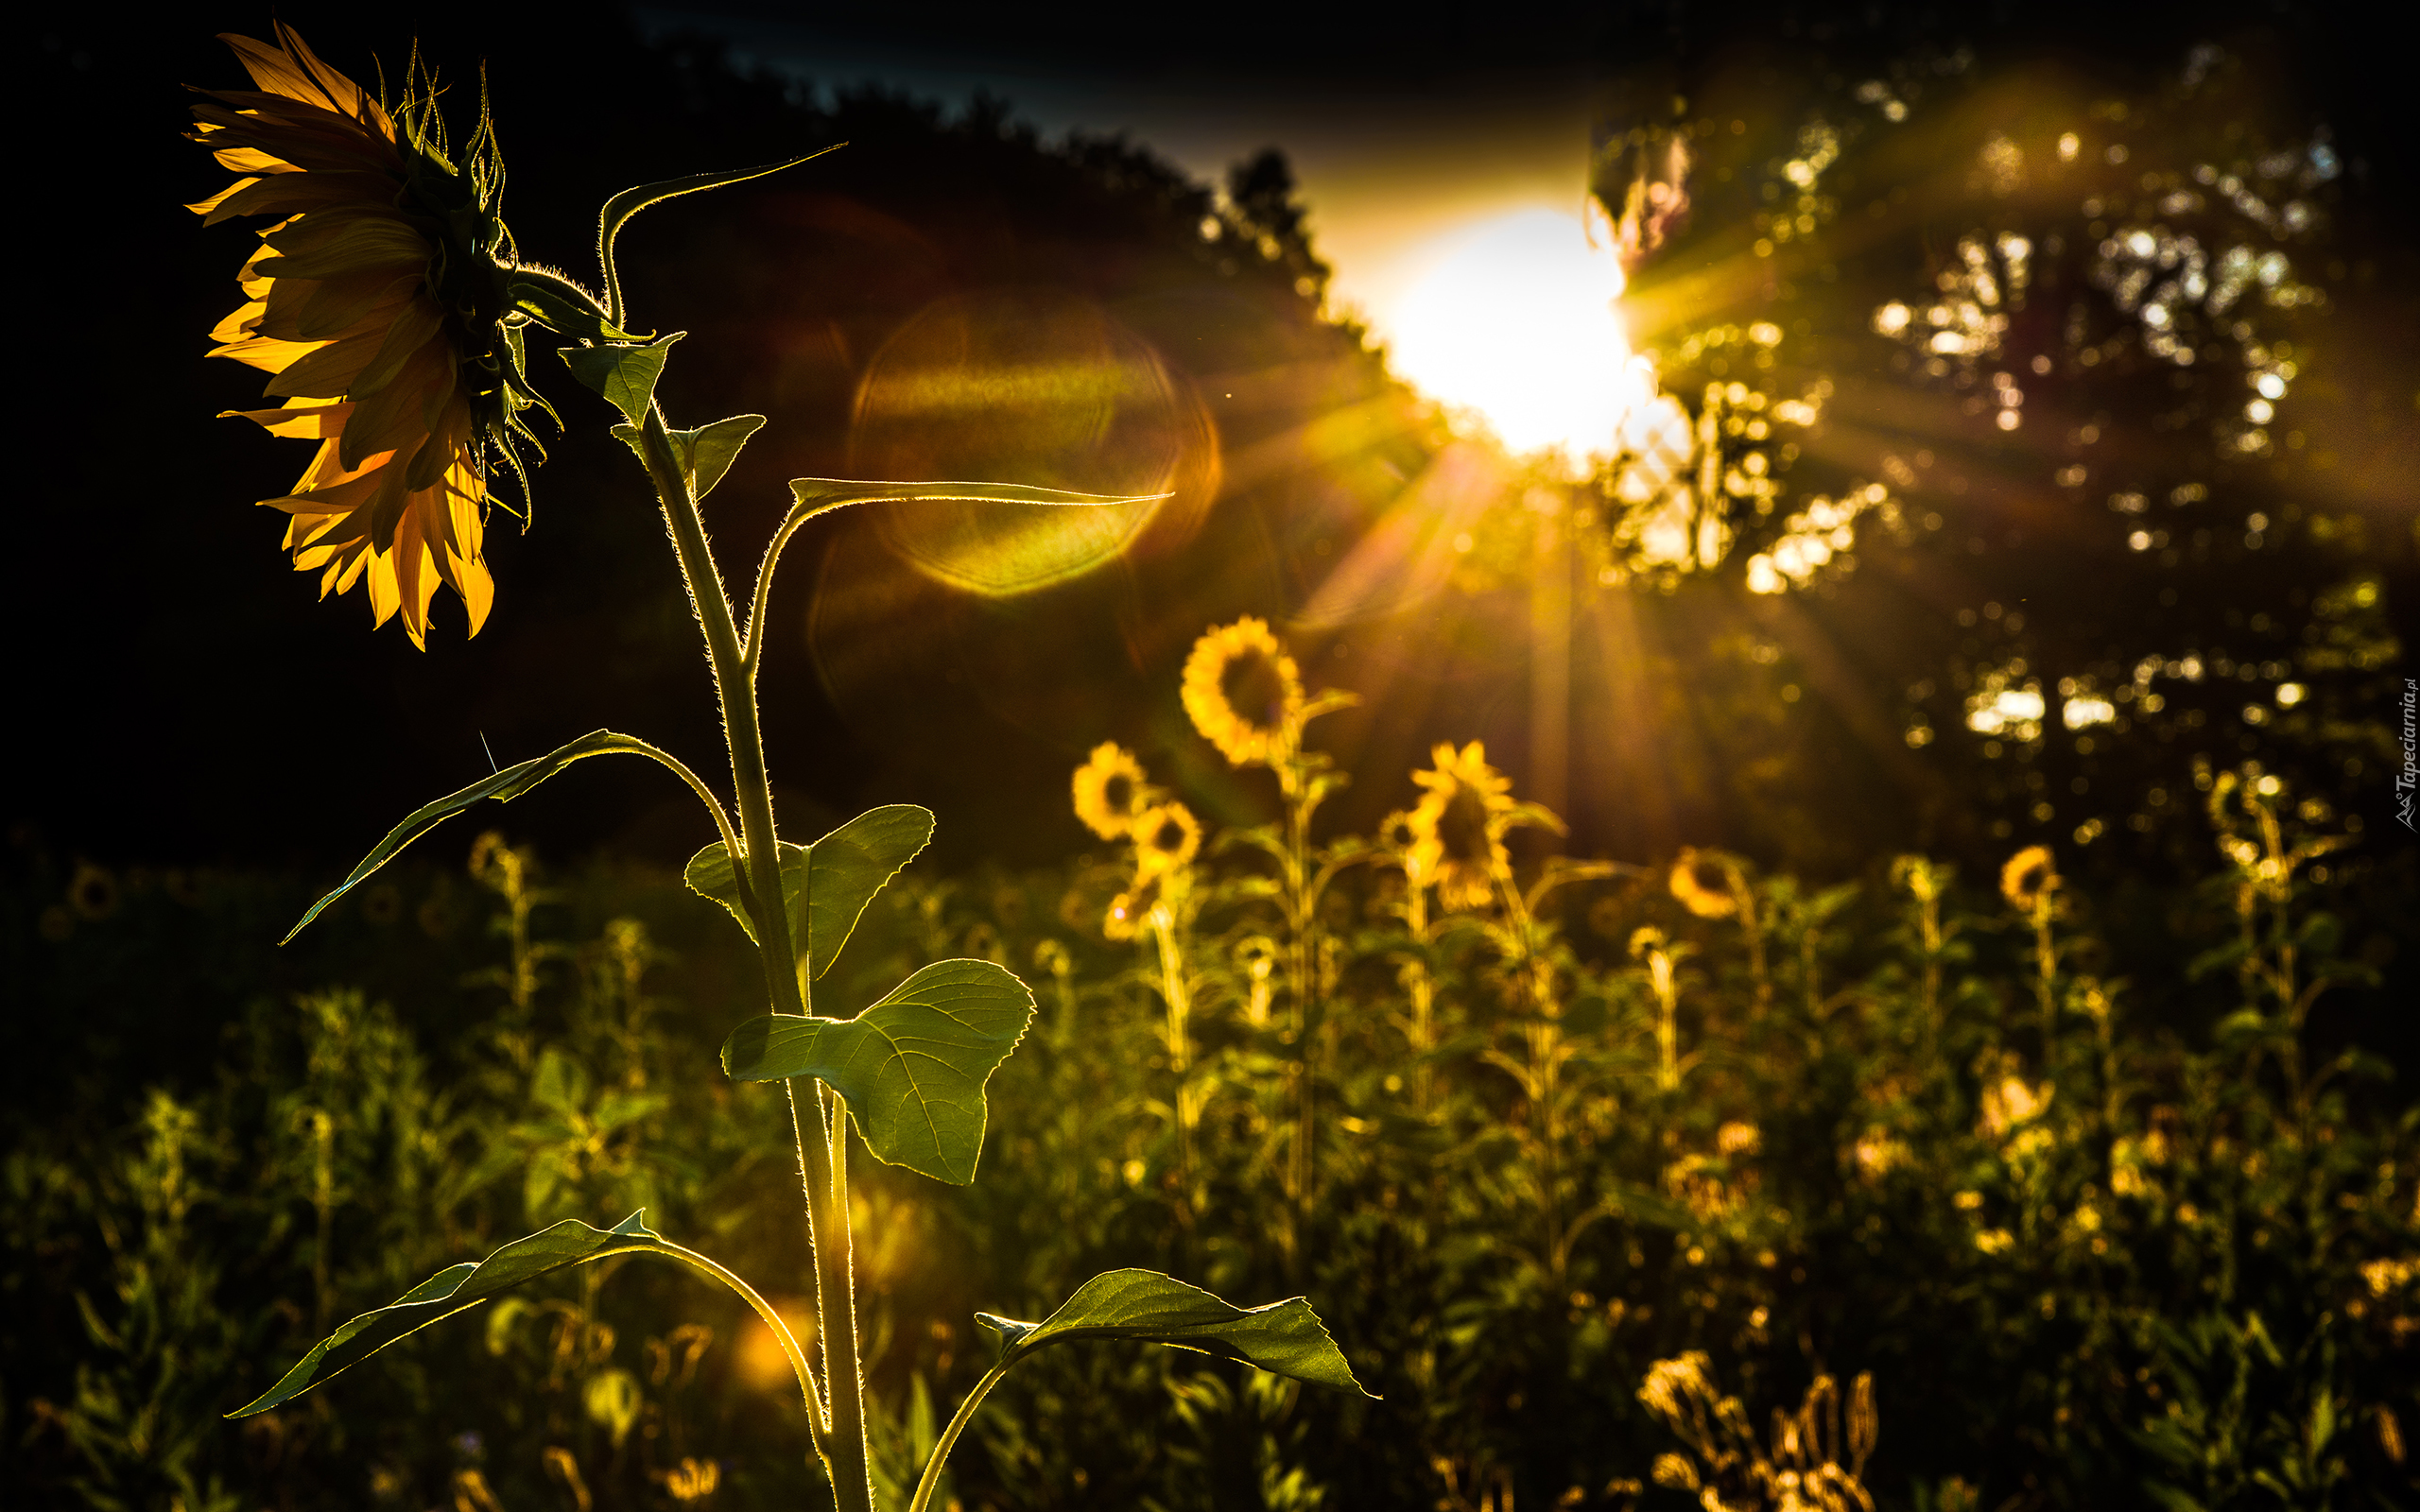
(814, 496)
(827, 885)
(624, 373)
(618, 209)
(560, 306)
(1286, 1338)
(455, 1288)
(912, 1067)
(516, 379)
(504, 786)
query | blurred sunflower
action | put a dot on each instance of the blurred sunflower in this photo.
(378, 303)
(1703, 884)
(1243, 693)
(1124, 914)
(1110, 790)
(1458, 830)
(2029, 879)
(1167, 836)
(94, 891)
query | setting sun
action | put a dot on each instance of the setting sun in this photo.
(1514, 319)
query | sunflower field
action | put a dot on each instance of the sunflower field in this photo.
(1618, 1184)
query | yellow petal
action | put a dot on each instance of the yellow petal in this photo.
(268, 353)
(342, 91)
(354, 244)
(204, 207)
(252, 159)
(315, 419)
(274, 70)
(240, 323)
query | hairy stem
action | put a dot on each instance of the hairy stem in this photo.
(841, 1442)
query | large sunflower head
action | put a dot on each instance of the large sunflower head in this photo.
(1110, 790)
(1244, 692)
(1167, 836)
(1458, 829)
(377, 302)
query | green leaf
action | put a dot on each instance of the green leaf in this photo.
(504, 786)
(835, 878)
(618, 209)
(710, 874)
(1286, 1338)
(912, 1067)
(704, 454)
(560, 306)
(455, 1288)
(710, 450)
(624, 374)
(820, 496)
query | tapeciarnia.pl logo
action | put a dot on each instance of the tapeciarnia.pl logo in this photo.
(2407, 780)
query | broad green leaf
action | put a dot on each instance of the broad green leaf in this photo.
(848, 867)
(827, 885)
(560, 306)
(624, 374)
(704, 454)
(504, 786)
(455, 1288)
(618, 209)
(1286, 1338)
(912, 1067)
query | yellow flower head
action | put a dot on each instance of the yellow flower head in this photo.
(1124, 919)
(2010, 1102)
(1110, 790)
(1458, 830)
(1167, 836)
(2029, 878)
(1703, 884)
(377, 303)
(1244, 692)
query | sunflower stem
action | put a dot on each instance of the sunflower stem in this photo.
(841, 1443)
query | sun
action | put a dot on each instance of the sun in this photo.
(1514, 320)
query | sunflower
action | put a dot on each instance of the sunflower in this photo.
(377, 302)
(2029, 878)
(1703, 884)
(1458, 830)
(1110, 790)
(1167, 836)
(1243, 693)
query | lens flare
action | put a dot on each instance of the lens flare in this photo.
(1514, 319)
(1042, 388)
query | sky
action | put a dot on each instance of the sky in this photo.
(1420, 170)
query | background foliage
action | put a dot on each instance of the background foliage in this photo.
(2083, 1257)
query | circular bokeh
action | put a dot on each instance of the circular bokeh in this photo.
(1034, 387)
